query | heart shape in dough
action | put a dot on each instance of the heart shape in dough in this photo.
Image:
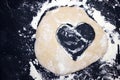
(75, 40)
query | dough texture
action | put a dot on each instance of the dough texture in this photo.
(52, 55)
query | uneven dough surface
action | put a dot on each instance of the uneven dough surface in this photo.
(49, 51)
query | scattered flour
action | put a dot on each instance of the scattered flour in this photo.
(34, 73)
(71, 76)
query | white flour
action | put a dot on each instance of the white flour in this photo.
(34, 73)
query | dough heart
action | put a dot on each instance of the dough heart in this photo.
(75, 40)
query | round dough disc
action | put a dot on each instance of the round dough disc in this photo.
(52, 55)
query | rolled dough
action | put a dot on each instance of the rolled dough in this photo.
(52, 55)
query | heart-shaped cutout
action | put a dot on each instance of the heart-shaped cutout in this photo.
(75, 40)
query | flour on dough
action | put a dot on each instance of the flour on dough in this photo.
(49, 51)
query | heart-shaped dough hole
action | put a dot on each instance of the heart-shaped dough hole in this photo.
(75, 40)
